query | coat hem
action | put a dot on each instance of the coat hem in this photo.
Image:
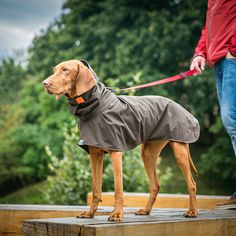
(86, 145)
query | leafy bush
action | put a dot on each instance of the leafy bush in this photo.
(72, 177)
(218, 165)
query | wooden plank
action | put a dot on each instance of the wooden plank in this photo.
(206, 227)
(162, 201)
(161, 222)
(12, 216)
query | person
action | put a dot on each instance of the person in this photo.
(217, 48)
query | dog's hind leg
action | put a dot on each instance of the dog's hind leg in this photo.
(183, 158)
(96, 163)
(150, 153)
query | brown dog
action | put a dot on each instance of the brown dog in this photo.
(74, 79)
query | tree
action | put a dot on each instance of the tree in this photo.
(126, 42)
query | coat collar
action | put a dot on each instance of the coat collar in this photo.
(81, 98)
(85, 103)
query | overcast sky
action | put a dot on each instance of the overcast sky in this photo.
(20, 20)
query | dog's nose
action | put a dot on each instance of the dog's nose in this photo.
(46, 83)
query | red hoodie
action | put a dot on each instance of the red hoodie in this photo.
(219, 33)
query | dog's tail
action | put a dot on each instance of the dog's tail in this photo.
(194, 169)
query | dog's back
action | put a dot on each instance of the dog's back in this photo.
(122, 122)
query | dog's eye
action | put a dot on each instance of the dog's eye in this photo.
(65, 69)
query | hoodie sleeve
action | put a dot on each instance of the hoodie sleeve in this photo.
(200, 50)
(232, 48)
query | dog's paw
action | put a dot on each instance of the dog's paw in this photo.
(142, 212)
(191, 213)
(116, 215)
(86, 214)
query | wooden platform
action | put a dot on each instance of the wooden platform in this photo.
(162, 201)
(12, 216)
(161, 222)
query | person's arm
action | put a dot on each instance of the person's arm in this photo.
(200, 50)
(199, 58)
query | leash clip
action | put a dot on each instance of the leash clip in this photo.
(183, 74)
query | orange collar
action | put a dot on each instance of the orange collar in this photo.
(78, 99)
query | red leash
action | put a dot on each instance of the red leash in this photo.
(180, 76)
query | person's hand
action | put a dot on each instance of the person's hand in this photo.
(199, 64)
(229, 55)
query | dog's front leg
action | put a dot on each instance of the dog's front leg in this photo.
(96, 163)
(117, 214)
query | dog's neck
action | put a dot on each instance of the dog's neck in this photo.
(84, 103)
(98, 97)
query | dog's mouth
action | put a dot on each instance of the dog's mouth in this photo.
(52, 90)
(48, 91)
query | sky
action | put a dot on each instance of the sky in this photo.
(21, 20)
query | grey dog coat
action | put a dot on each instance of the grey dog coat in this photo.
(120, 123)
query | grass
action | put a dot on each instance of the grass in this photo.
(32, 194)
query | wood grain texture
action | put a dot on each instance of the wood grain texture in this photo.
(12, 216)
(161, 222)
(162, 201)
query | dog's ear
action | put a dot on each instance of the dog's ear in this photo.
(78, 71)
(82, 72)
(84, 78)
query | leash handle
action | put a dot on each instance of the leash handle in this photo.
(180, 76)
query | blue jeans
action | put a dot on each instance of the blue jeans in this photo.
(225, 76)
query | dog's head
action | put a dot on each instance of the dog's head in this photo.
(69, 77)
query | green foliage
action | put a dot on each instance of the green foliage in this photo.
(72, 176)
(32, 194)
(71, 180)
(11, 77)
(218, 162)
(127, 42)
